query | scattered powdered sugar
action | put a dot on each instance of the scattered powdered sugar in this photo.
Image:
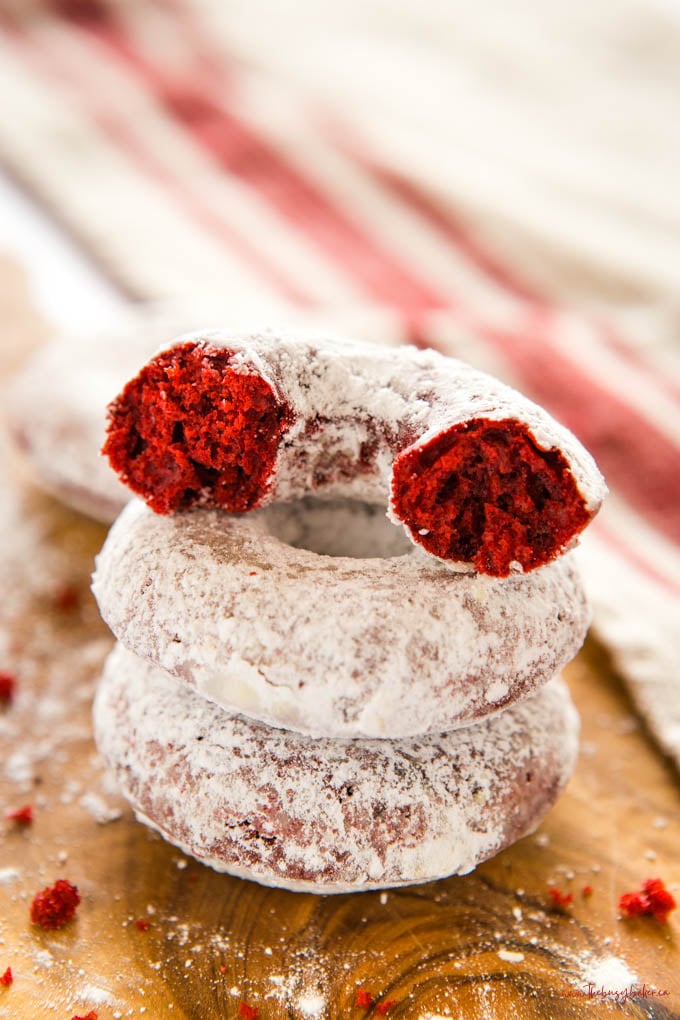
(101, 811)
(53, 641)
(19, 769)
(96, 995)
(51, 709)
(301, 988)
(311, 1004)
(509, 956)
(43, 958)
(609, 974)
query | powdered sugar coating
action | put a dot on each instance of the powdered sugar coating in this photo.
(328, 644)
(354, 402)
(325, 815)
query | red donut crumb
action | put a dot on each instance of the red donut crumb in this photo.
(7, 978)
(559, 898)
(142, 925)
(22, 815)
(55, 905)
(587, 890)
(383, 1008)
(364, 999)
(66, 598)
(248, 1012)
(485, 493)
(8, 687)
(164, 428)
(653, 900)
(92, 1015)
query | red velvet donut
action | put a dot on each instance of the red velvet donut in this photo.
(328, 816)
(477, 474)
(320, 616)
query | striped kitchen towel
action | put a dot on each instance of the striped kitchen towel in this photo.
(496, 180)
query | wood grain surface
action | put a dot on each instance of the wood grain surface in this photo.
(487, 945)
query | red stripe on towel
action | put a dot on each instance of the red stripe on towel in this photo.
(118, 130)
(240, 151)
(459, 236)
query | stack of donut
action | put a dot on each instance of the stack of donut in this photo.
(308, 691)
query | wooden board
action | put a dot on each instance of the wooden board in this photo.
(214, 942)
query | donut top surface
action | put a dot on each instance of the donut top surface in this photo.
(477, 474)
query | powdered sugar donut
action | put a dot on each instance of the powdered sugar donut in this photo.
(325, 815)
(477, 474)
(254, 612)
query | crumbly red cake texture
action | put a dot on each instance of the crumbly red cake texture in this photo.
(476, 473)
(55, 905)
(188, 430)
(484, 492)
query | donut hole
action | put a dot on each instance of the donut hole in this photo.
(189, 429)
(485, 493)
(336, 528)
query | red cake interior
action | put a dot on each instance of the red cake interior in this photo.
(484, 492)
(189, 429)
